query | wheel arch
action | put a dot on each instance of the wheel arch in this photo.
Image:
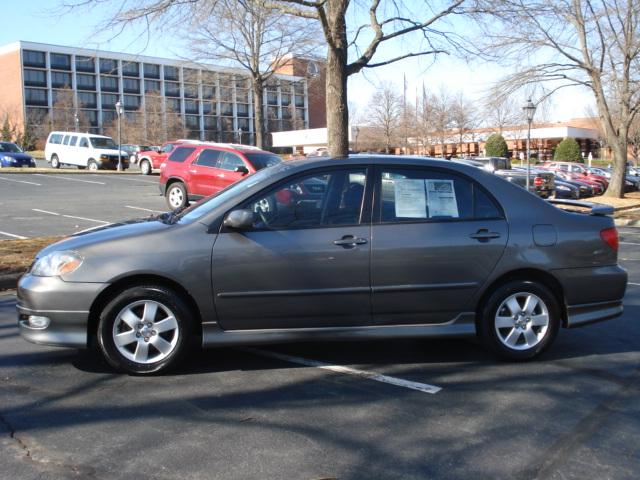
(172, 180)
(122, 284)
(526, 274)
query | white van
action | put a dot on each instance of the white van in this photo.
(84, 150)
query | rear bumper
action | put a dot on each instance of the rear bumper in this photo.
(66, 305)
(580, 315)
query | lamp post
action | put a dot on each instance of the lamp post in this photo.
(119, 112)
(76, 121)
(240, 135)
(355, 146)
(530, 111)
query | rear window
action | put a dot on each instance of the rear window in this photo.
(262, 160)
(180, 154)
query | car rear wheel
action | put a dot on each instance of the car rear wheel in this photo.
(144, 330)
(519, 320)
(176, 196)
(55, 161)
(145, 167)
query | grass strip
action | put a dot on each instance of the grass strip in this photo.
(17, 255)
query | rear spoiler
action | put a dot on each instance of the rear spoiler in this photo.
(596, 208)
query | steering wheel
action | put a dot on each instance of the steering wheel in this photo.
(265, 207)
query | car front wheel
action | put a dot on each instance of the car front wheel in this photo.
(144, 330)
(520, 320)
(176, 196)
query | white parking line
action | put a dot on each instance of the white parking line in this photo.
(399, 382)
(20, 181)
(131, 179)
(69, 179)
(629, 243)
(631, 283)
(71, 216)
(145, 209)
(19, 237)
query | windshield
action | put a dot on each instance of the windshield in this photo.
(9, 147)
(203, 207)
(101, 142)
(262, 160)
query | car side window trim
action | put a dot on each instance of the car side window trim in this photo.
(376, 215)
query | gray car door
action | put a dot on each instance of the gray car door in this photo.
(435, 239)
(305, 261)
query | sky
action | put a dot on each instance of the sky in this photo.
(42, 21)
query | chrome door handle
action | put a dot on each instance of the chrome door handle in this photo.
(350, 241)
(484, 235)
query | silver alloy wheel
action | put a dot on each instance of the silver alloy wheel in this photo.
(522, 321)
(145, 332)
(176, 197)
(93, 166)
(145, 167)
(55, 163)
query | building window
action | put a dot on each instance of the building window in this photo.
(272, 98)
(60, 80)
(226, 94)
(108, 84)
(60, 61)
(190, 91)
(31, 58)
(152, 86)
(108, 65)
(131, 85)
(85, 64)
(171, 89)
(285, 99)
(35, 96)
(190, 75)
(299, 99)
(173, 104)
(109, 116)
(209, 77)
(131, 69)
(131, 102)
(208, 108)
(298, 88)
(272, 112)
(242, 95)
(242, 109)
(210, 123)
(226, 109)
(192, 122)
(171, 73)
(36, 116)
(85, 82)
(208, 92)
(92, 116)
(191, 106)
(243, 123)
(108, 101)
(86, 99)
(35, 78)
(151, 70)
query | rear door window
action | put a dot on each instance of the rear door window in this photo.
(208, 158)
(72, 142)
(66, 140)
(230, 161)
(180, 154)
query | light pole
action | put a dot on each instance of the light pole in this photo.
(76, 120)
(240, 135)
(530, 111)
(355, 146)
(119, 112)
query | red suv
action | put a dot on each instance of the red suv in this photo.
(196, 170)
(149, 160)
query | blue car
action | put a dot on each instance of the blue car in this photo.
(12, 155)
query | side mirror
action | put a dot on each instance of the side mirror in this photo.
(239, 219)
(241, 169)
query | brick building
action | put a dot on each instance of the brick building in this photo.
(213, 103)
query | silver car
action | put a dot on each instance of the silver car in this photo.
(360, 247)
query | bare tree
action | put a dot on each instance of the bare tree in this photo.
(385, 114)
(422, 26)
(65, 111)
(463, 116)
(501, 111)
(441, 121)
(594, 44)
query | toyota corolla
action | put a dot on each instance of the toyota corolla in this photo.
(360, 247)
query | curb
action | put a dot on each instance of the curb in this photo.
(9, 281)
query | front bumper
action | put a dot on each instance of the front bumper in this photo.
(65, 304)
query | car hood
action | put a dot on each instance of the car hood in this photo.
(115, 231)
(17, 156)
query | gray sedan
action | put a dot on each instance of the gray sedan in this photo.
(361, 247)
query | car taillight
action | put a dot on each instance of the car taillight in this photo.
(538, 181)
(610, 237)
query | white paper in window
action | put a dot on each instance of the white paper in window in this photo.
(442, 198)
(410, 198)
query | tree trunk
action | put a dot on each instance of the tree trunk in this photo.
(258, 111)
(336, 80)
(616, 185)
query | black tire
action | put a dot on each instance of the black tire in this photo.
(176, 196)
(145, 167)
(92, 165)
(55, 161)
(177, 342)
(527, 337)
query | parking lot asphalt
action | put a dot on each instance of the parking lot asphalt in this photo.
(59, 204)
(271, 412)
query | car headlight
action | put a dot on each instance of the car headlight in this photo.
(57, 263)
(7, 158)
